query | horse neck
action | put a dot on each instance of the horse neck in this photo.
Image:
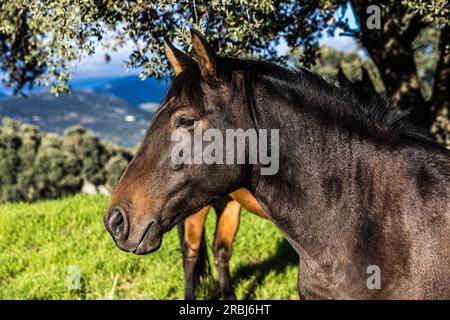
(324, 179)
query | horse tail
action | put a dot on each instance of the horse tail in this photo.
(202, 275)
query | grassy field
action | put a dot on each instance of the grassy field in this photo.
(44, 245)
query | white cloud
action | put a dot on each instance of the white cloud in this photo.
(94, 66)
(149, 106)
(339, 42)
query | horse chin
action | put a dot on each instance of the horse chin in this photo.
(148, 245)
(151, 240)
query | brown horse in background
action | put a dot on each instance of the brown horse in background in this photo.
(195, 255)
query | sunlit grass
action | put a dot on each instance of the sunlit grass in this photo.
(43, 244)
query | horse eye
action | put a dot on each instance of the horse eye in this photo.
(185, 122)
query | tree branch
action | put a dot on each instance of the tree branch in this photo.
(416, 24)
(441, 89)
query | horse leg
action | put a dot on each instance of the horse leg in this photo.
(228, 214)
(191, 245)
(249, 202)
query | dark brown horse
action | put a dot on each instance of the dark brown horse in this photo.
(228, 210)
(361, 194)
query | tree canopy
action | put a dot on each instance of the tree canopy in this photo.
(40, 38)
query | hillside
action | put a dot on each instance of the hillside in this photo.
(110, 117)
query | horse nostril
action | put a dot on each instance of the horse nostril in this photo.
(117, 223)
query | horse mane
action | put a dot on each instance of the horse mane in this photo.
(369, 114)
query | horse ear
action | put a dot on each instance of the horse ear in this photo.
(205, 56)
(177, 58)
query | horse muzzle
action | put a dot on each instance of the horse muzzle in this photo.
(150, 241)
(118, 225)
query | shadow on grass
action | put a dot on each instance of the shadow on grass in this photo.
(284, 256)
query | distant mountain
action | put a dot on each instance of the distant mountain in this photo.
(134, 90)
(110, 117)
(130, 88)
(90, 83)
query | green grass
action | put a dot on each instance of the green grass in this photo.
(42, 243)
